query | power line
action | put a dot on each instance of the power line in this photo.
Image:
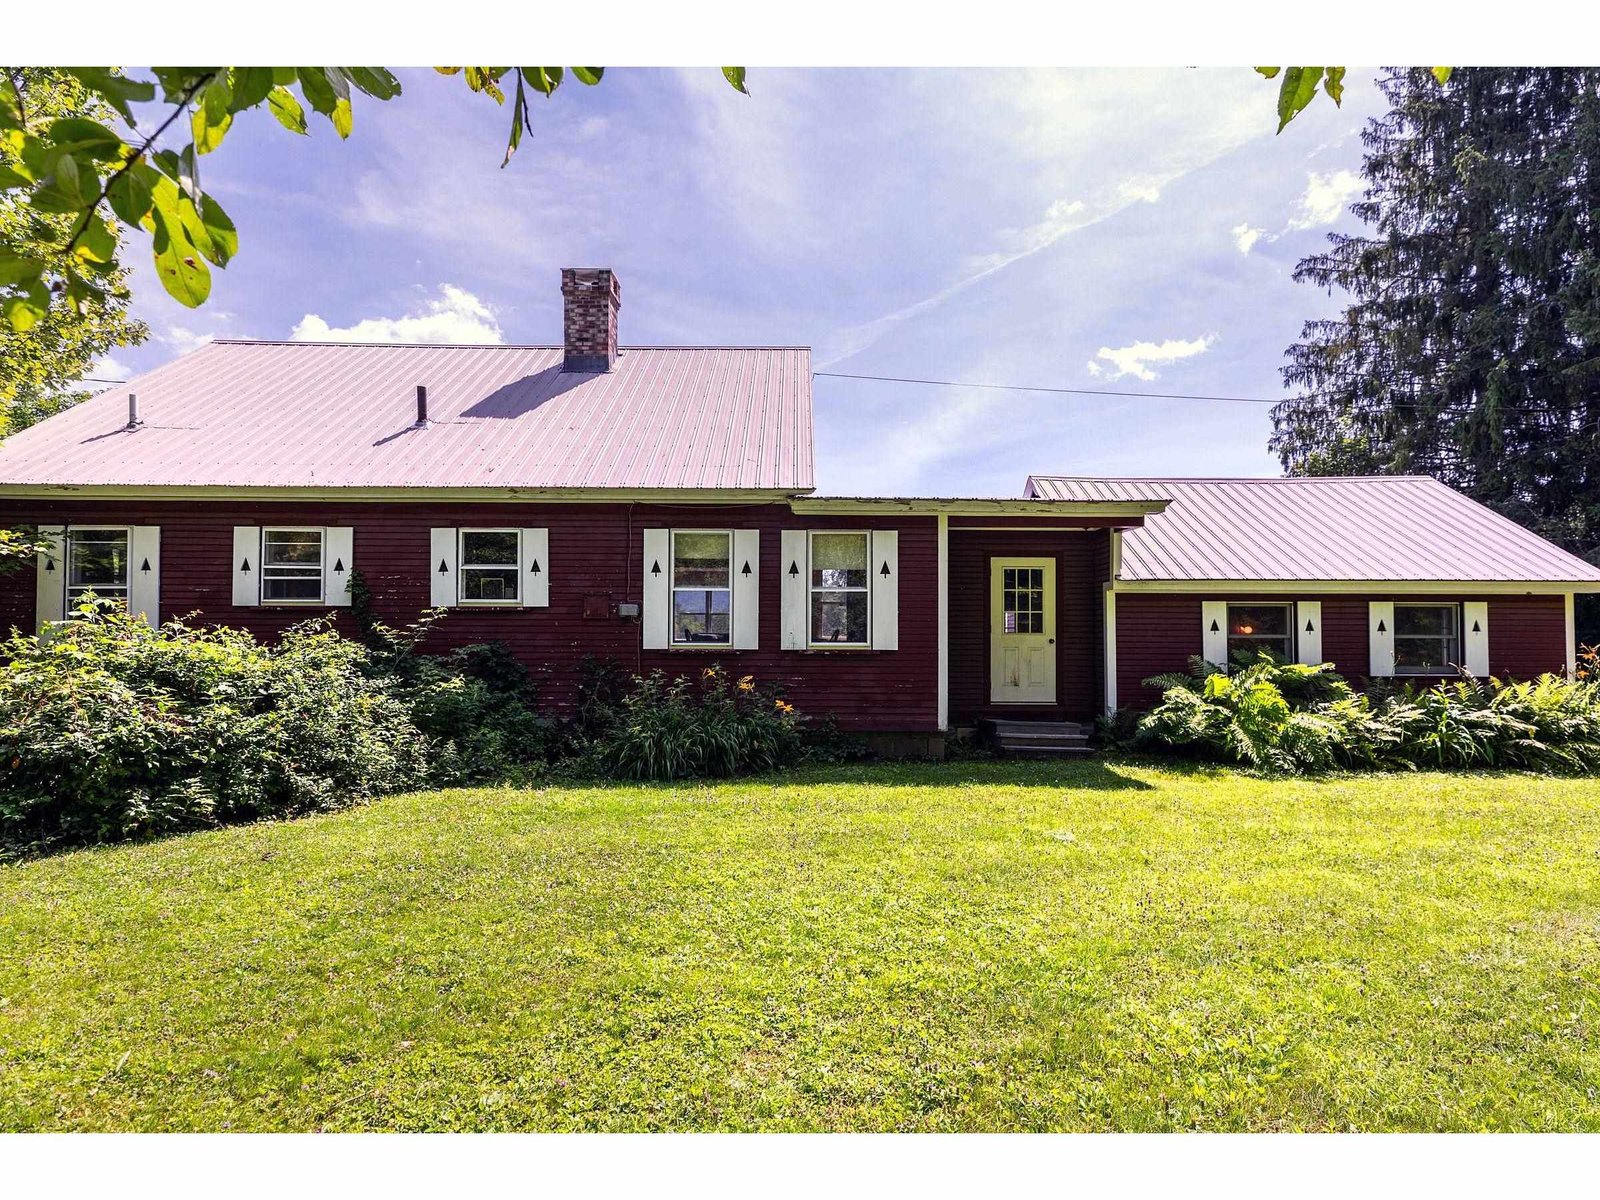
(1066, 391)
(92, 379)
(1060, 391)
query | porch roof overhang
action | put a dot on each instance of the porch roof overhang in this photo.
(972, 512)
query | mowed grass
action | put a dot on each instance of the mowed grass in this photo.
(963, 947)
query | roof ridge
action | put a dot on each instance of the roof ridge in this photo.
(242, 341)
(1236, 478)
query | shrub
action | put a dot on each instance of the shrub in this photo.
(477, 706)
(714, 726)
(110, 729)
(1293, 718)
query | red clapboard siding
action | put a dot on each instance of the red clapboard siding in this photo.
(1156, 633)
(595, 550)
(1082, 563)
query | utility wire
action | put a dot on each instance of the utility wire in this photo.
(1061, 391)
(1066, 391)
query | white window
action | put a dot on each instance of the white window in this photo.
(1253, 628)
(491, 566)
(292, 564)
(1427, 639)
(97, 561)
(841, 589)
(702, 588)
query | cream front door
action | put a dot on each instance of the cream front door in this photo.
(1022, 630)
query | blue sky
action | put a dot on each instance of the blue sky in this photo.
(1130, 229)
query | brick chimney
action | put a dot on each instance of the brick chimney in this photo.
(591, 298)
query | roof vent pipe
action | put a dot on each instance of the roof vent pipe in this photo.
(133, 412)
(422, 405)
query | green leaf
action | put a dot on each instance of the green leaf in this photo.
(316, 89)
(219, 229)
(543, 79)
(519, 118)
(70, 187)
(287, 109)
(375, 82)
(1442, 74)
(130, 194)
(588, 75)
(25, 311)
(1298, 90)
(735, 76)
(1269, 72)
(213, 114)
(10, 103)
(487, 79)
(96, 244)
(251, 85)
(117, 90)
(335, 95)
(83, 136)
(18, 270)
(178, 82)
(1334, 84)
(182, 271)
(284, 76)
(11, 177)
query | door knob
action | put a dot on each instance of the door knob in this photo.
(1052, 641)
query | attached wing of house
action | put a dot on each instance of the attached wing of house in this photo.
(655, 506)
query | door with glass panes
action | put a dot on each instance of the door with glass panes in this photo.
(1022, 630)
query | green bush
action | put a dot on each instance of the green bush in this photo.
(1293, 718)
(714, 726)
(110, 729)
(477, 706)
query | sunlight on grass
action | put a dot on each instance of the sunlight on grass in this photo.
(970, 946)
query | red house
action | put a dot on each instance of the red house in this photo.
(656, 506)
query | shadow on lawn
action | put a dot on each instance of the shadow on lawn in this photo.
(1088, 774)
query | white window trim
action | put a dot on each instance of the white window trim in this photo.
(1227, 626)
(672, 592)
(322, 567)
(462, 568)
(812, 589)
(1451, 663)
(66, 566)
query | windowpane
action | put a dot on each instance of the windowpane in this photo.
(839, 617)
(1426, 639)
(700, 615)
(1418, 620)
(1023, 599)
(700, 559)
(839, 560)
(292, 547)
(97, 558)
(488, 583)
(291, 564)
(1253, 628)
(490, 548)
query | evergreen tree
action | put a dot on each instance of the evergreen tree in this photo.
(1470, 349)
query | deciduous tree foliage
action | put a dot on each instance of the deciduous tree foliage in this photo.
(44, 360)
(1470, 347)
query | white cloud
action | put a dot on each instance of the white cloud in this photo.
(1136, 360)
(455, 315)
(1325, 198)
(1245, 236)
(183, 340)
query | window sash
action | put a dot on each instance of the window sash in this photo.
(485, 572)
(822, 595)
(1440, 652)
(117, 537)
(1022, 600)
(280, 582)
(1280, 644)
(707, 608)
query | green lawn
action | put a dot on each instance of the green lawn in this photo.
(973, 946)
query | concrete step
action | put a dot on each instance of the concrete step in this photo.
(1040, 739)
